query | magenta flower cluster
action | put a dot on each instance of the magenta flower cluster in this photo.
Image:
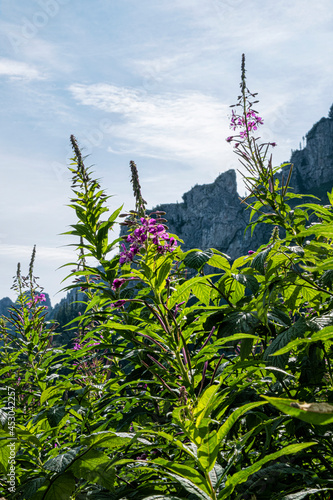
(149, 229)
(253, 120)
(37, 298)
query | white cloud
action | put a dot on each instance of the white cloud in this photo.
(57, 255)
(17, 70)
(189, 126)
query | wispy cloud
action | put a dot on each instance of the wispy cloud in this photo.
(57, 255)
(189, 126)
(17, 70)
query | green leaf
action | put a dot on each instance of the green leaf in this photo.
(107, 439)
(223, 431)
(258, 261)
(296, 330)
(208, 450)
(202, 291)
(30, 488)
(240, 321)
(188, 473)
(216, 474)
(325, 230)
(60, 489)
(205, 404)
(246, 348)
(162, 497)
(324, 335)
(241, 476)
(24, 435)
(240, 262)
(303, 494)
(195, 259)
(162, 274)
(319, 209)
(169, 438)
(182, 293)
(4, 452)
(327, 278)
(59, 463)
(3, 417)
(248, 281)
(55, 414)
(50, 393)
(94, 466)
(279, 317)
(312, 413)
(219, 262)
(236, 289)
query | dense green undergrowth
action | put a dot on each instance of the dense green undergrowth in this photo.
(192, 375)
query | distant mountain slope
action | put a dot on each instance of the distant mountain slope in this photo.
(313, 165)
(62, 313)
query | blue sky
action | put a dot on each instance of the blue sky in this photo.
(148, 81)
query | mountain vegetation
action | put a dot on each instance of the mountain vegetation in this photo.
(190, 375)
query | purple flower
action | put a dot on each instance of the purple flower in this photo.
(140, 234)
(125, 255)
(249, 123)
(172, 244)
(117, 283)
(250, 252)
(157, 234)
(134, 249)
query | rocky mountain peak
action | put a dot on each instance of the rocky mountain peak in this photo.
(212, 215)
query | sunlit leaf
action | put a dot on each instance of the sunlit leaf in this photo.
(313, 413)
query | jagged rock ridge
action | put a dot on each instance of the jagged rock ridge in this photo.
(212, 215)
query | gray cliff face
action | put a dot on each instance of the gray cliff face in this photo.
(212, 215)
(313, 165)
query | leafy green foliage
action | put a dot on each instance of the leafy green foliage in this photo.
(177, 386)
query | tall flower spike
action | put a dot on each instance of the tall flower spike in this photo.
(139, 201)
(83, 172)
(32, 263)
(243, 82)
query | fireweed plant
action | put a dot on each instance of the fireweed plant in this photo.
(190, 375)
